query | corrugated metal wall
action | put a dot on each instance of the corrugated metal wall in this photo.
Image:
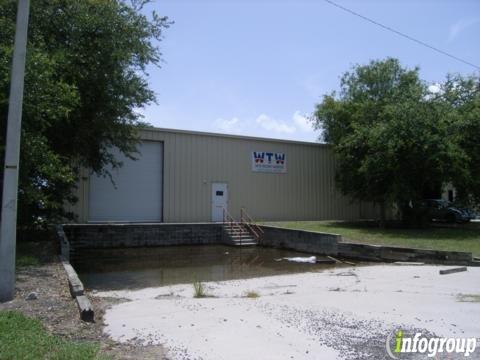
(192, 161)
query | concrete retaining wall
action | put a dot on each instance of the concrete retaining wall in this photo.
(332, 244)
(307, 241)
(94, 236)
(390, 253)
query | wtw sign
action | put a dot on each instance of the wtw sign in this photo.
(269, 162)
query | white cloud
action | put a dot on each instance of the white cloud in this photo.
(271, 124)
(434, 88)
(302, 122)
(297, 127)
(228, 125)
(461, 25)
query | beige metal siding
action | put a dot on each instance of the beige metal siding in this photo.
(193, 161)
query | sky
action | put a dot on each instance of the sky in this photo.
(258, 68)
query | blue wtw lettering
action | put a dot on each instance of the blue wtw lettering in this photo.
(264, 161)
(279, 158)
(260, 157)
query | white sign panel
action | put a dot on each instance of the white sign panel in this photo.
(263, 161)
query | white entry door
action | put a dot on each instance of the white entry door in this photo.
(219, 200)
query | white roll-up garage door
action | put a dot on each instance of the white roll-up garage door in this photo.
(137, 194)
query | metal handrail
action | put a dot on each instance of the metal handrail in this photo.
(234, 225)
(250, 223)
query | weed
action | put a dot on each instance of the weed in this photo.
(252, 294)
(468, 298)
(26, 260)
(199, 290)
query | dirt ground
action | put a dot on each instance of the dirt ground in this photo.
(58, 312)
(339, 313)
(343, 313)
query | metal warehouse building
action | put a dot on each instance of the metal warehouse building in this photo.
(186, 176)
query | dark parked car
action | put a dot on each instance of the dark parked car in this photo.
(443, 210)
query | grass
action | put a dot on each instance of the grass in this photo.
(29, 254)
(252, 294)
(469, 298)
(464, 237)
(199, 290)
(26, 260)
(25, 338)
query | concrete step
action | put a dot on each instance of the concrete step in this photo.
(236, 230)
(244, 243)
(239, 236)
(242, 236)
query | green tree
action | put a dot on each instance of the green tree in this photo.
(392, 141)
(85, 76)
(460, 96)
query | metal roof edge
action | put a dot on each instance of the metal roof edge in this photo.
(231, 136)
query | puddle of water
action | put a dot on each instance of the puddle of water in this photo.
(135, 268)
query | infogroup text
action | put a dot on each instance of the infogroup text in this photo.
(431, 346)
